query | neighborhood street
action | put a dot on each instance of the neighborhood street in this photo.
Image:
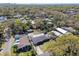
(7, 46)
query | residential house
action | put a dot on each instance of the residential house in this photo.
(33, 24)
(71, 11)
(2, 18)
(24, 21)
(18, 15)
(38, 39)
(23, 45)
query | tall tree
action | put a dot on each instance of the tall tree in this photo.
(64, 45)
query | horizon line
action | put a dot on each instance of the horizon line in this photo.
(39, 3)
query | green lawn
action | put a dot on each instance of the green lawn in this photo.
(29, 53)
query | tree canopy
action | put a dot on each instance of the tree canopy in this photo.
(64, 45)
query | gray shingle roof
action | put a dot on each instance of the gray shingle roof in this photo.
(39, 39)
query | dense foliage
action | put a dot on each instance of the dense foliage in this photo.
(64, 45)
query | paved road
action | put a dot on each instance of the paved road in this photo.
(7, 47)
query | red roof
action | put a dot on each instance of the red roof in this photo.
(24, 41)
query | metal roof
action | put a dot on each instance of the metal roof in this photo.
(61, 30)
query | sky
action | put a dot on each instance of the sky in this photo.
(39, 1)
